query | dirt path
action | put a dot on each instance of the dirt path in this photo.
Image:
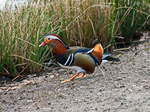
(115, 87)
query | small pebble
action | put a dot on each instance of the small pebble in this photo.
(51, 76)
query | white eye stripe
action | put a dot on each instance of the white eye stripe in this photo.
(50, 37)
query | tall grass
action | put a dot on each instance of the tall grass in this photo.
(78, 22)
(20, 33)
(129, 17)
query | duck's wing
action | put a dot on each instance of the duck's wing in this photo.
(85, 61)
(67, 58)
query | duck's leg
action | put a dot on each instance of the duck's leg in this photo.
(71, 78)
(77, 75)
(81, 75)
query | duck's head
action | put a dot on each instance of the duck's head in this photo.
(53, 39)
(59, 47)
(49, 39)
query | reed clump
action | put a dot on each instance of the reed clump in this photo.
(129, 17)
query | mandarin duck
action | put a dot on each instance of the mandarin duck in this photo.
(81, 59)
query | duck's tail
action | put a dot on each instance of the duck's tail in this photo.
(108, 57)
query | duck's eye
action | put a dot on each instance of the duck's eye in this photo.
(49, 39)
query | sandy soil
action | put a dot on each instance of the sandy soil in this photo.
(114, 87)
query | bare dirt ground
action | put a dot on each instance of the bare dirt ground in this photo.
(114, 87)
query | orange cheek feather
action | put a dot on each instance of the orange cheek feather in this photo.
(58, 48)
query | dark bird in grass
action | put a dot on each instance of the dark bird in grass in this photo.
(81, 59)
